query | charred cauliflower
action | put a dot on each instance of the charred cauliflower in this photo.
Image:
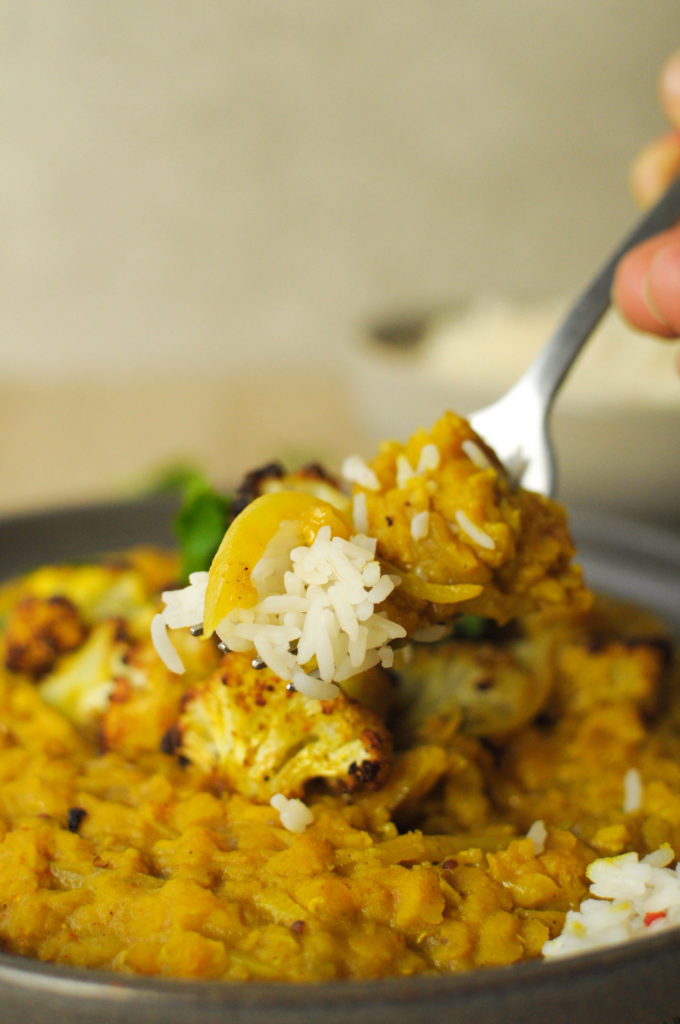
(142, 702)
(44, 601)
(76, 632)
(310, 479)
(144, 698)
(247, 732)
(486, 689)
(39, 630)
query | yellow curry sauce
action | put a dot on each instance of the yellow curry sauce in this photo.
(136, 831)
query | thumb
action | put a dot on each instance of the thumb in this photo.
(639, 296)
(661, 284)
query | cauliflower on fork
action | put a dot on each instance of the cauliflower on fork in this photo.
(319, 589)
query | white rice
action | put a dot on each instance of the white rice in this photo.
(180, 604)
(317, 603)
(405, 472)
(475, 454)
(632, 898)
(163, 644)
(420, 525)
(538, 835)
(357, 471)
(474, 532)
(429, 459)
(294, 814)
(182, 608)
(632, 791)
(360, 512)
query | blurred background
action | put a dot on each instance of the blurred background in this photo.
(205, 207)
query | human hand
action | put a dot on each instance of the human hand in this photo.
(647, 283)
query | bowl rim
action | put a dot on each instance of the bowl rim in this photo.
(621, 552)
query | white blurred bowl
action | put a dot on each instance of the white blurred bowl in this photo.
(616, 423)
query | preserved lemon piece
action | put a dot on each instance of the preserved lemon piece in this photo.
(229, 582)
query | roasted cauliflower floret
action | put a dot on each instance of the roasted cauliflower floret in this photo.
(72, 628)
(483, 688)
(122, 588)
(310, 479)
(247, 731)
(144, 698)
(39, 631)
(460, 534)
(611, 654)
(81, 684)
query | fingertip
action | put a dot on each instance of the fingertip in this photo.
(669, 87)
(661, 285)
(630, 290)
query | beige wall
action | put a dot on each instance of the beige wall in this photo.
(217, 189)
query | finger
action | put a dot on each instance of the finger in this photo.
(655, 167)
(669, 88)
(661, 285)
(630, 291)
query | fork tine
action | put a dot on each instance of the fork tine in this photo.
(516, 428)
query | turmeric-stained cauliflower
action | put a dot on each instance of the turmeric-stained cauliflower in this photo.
(81, 684)
(80, 633)
(248, 732)
(462, 537)
(39, 630)
(310, 479)
(61, 602)
(144, 696)
(613, 654)
(486, 688)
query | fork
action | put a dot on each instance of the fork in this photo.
(517, 425)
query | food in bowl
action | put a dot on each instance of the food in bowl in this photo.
(249, 814)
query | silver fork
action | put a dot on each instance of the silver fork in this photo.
(517, 425)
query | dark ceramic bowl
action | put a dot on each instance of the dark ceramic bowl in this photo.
(638, 982)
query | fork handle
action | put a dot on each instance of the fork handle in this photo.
(549, 368)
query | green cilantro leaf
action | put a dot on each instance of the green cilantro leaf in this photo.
(200, 524)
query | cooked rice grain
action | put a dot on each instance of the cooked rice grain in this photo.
(420, 525)
(294, 814)
(429, 458)
(475, 454)
(474, 532)
(405, 472)
(632, 791)
(357, 471)
(317, 607)
(538, 835)
(632, 898)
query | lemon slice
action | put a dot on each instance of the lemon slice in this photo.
(438, 593)
(229, 581)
